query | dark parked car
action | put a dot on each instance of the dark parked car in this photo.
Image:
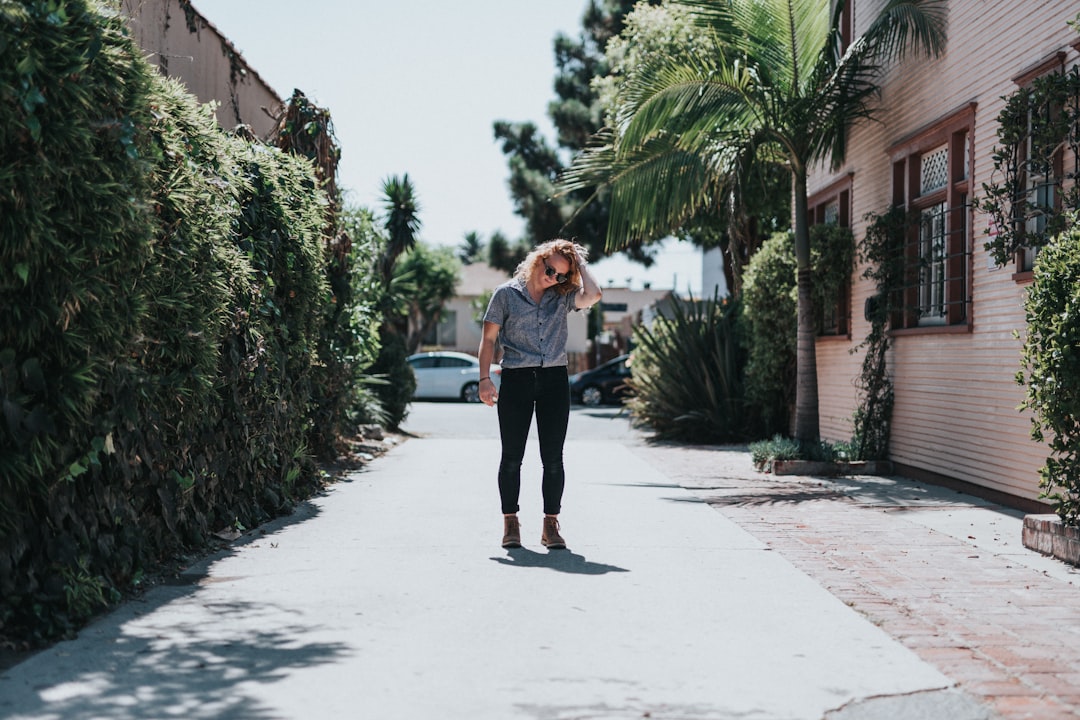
(604, 384)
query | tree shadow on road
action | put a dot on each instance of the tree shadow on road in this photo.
(211, 665)
(560, 560)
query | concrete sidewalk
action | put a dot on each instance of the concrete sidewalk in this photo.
(390, 598)
(944, 573)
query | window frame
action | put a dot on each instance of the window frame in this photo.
(1024, 257)
(955, 131)
(837, 193)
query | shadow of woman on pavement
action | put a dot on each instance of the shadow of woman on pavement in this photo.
(560, 560)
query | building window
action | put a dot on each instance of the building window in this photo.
(1036, 162)
(832, 206)
(932, 236)
(931, 178)
(1041, 164)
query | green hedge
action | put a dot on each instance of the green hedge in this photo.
(1050, 370)
(770, 318)
(166, 299)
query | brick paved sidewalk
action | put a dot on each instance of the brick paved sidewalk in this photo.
(944, 573)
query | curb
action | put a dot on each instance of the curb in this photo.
(1048, 535)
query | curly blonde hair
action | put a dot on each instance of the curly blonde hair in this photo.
(568, 249)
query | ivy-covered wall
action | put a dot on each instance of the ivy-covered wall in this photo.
(164, 296)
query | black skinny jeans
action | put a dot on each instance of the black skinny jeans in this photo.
(523, 391)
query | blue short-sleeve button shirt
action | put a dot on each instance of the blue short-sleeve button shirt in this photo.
(532, 334)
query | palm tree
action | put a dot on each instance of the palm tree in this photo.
(402, 222)
(781, 87)
(471, 248)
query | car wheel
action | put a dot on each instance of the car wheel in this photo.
(592, 396)
(471, 392)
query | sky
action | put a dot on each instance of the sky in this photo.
(413, 86)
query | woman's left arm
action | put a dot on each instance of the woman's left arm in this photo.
(590, 291)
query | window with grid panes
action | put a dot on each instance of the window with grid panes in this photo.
(931, 177)
(1042, 175)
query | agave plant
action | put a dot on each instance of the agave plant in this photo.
(686, 374)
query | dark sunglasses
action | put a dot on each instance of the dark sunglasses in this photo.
(559, 277)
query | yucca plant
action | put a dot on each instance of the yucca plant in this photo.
(686, 374)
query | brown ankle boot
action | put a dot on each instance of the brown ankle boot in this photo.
(551, 538)
(511, 532)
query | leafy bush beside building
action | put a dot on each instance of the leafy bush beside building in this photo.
(166, 303)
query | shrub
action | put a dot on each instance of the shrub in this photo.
(687, 374)
(1051, 369)
(76, 232)
(349, 339)
(764, 453)
(394, 380)
(164, 289)
(771, 323)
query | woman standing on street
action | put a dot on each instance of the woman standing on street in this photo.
(528, 316)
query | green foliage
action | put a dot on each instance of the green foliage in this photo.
(769, 313)
(882, 253)
(1033, 126)
(396, 391)
(764, 453)
(784, 86)
(576, 113)
(348, 339)
(429, 277)
(687, 374)
(402, 208)
(349, 342)
(75, 230)
(832, 254)
(166, 312)
(501, 256)
(471, 249)
(1051, 369)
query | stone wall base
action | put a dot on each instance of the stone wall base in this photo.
(1047, 534)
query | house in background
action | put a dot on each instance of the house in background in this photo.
(623, 309)
(185, 45)
(954, 356)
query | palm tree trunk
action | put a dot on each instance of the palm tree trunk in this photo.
(806, 395)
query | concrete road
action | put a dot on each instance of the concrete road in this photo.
(390, 598)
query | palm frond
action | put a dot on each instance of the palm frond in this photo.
(654, 187)
(698, 103)
(904, 26)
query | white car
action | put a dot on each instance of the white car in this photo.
(449, 376)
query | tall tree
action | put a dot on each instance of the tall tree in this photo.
(739, 215)
(471, 248)
(402, 222)
(428, 278)
(782, 85)
(535, 165)
(504, 256)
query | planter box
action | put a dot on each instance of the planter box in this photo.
(1046, 534)
(828, 469)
